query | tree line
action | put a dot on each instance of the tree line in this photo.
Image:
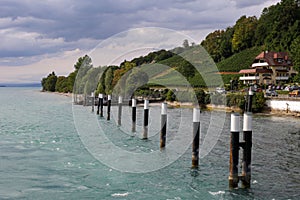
(277, 29)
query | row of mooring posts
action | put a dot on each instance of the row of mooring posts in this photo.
(235, 144)
(246, 145)
(163, 131)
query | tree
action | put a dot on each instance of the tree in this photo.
(185, 43)
(244, 31)
(258, 102)
(83, 65)
(186, 68)
(108, 80)
(62, 84)
(49, 83)
(295, 53)
(85, 61)
(136, 79)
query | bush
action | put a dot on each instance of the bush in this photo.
(258, 102)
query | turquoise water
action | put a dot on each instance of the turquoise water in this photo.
(43, 156)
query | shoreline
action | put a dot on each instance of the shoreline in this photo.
(210, 107)
(59, 93)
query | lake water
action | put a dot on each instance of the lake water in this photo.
(48, 151)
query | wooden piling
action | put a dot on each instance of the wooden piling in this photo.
(146, 118)
(196, 137)
(246, 163)
(249, 100)
(163, 131)
(234, 151)
(101, 104)
(133, 117)
(108, 106)
(93, 101)
(98, 105)
(119, 110)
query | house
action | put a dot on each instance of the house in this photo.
(269, 68)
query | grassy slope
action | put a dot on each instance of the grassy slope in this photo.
(238, 61)
(161, 72)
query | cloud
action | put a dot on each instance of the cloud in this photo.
(31, 31)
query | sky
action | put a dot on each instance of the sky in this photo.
(38, 37)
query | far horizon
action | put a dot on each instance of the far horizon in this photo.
(34, 84)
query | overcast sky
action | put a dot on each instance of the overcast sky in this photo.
(38, 37)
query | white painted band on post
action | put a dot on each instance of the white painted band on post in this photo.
(120, 99)
(133, 102)
(164, 108)
(101, 96)
(247, 124)
(250, 92)
(109, 97)
(235, 122)
(93, 94)
(196, 115)
(146, 104)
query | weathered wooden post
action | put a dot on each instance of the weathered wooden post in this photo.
(133, 117)
(108, 106)
(120, 110)
(196, 137)
(101, 104)
(247, 146)
(98, 105)
(163, 131)
(85, 100)
(249, 100)
(93, 101)
(234, 150)
(146, 118)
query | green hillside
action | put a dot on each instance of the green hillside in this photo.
(238, 61)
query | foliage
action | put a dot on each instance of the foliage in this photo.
(108, 80)
(135, 79)
(238, 61)
(49, 83)
(185, 43)
(62, 84)
(258, 102)
(295, 50)
(170, 96)
(236, 100)
(244, 31)
(276, 29)
(201, 96)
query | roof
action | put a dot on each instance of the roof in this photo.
(272, 58)
(247, 71)
(254, 71)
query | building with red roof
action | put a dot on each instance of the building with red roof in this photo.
(269, 68)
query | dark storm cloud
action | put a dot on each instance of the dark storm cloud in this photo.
(37, 27)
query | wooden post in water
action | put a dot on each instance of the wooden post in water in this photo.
(101, 104)
(163, 131)
(93, 101)
(98, 105)
(249, 100)
(196, 137)
(108, 106)
(85, 100)
(146, 118)
(234, 151)
(247, 146)
(120, 110)
(133, 117)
